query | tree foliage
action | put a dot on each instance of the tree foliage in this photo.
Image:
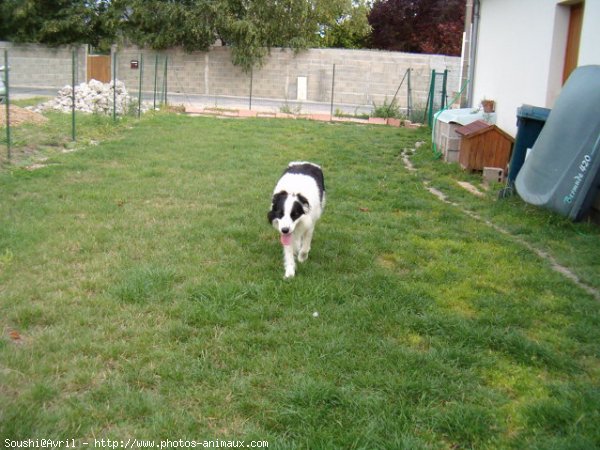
(55, 22)
(160, 24)
(418, 26)
(250, 27)
(350, 30)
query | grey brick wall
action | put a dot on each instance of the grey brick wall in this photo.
(362, 77)
(34, 65)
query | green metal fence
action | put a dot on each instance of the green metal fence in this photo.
(157, 71)
(6, 98)
(438, 96)
(159, 96)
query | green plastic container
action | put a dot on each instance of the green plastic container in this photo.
(530, 122)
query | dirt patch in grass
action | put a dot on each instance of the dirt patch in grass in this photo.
(19, 116)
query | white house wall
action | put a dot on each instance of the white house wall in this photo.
(510, 66)
(521, 51)
(589, 51)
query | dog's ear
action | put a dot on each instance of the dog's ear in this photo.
(277, 197)
(304, 202)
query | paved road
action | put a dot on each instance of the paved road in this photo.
(196, 100)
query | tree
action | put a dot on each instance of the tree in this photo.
(161, 24)
(418, 26)
(54, 22)
(250, 27)
(350, 29)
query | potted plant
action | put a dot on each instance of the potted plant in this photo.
(489, 106)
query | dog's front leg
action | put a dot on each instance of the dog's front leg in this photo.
(306, 240)
(288, 261)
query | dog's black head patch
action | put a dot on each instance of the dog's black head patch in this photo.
(277, 207)
(299, 207)
(297, 211)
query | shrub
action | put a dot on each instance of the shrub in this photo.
(388, 110)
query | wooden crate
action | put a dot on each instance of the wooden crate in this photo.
(484, 145)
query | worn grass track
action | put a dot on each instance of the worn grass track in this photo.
(142, 296)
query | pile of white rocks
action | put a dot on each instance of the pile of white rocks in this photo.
(93, 97)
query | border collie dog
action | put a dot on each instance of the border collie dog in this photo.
(298, 201)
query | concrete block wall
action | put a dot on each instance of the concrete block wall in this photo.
(362, 77)
(34, 65)
(447, 141)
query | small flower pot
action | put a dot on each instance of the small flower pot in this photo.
(489, 106)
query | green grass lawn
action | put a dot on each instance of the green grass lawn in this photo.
(142, 296)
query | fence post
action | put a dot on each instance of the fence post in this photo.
(165, 79)
(155, 75)
(332, 93)
(73, 64)
(140, 90)
(444, 93)
(251, 78)
(7, 99)
(408, 96)
(115, 86)
(430, 99)
(396, 93)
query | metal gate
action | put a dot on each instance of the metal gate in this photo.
(437, 98)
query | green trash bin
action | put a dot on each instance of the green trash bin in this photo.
(530, 121)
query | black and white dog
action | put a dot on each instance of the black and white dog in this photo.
(298, 201)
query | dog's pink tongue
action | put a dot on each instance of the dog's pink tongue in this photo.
(286, 239)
